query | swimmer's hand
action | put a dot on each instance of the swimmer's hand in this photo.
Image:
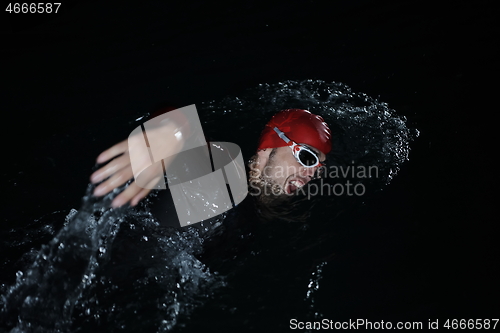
(119, 170)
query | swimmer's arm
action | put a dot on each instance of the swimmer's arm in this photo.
(119, 170)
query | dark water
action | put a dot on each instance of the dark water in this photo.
(420, 245)
(120, 270)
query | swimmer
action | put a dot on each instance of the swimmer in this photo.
(291, 152)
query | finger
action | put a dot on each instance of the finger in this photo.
(112, 167)
(135, 193)
(118, 179)
(127, 195)
(108, 154)
(138, 197)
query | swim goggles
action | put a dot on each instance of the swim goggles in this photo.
(305, 156)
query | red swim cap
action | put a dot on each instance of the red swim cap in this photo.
(300, 126)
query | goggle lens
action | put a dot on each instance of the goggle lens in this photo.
(307, 158)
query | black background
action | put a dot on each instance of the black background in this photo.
(102, 63)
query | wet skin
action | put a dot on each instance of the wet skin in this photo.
(284, 170)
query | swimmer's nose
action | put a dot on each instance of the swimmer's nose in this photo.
(309, 172)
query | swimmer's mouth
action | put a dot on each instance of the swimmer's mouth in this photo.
(293, 185)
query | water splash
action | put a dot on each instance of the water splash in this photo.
(312, 290)
(365, 130)
(71, 276)
(43, 296)
(119, 270)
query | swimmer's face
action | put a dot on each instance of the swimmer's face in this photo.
(279, 167)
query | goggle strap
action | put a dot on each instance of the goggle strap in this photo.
(282, 135)
(295, 153)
